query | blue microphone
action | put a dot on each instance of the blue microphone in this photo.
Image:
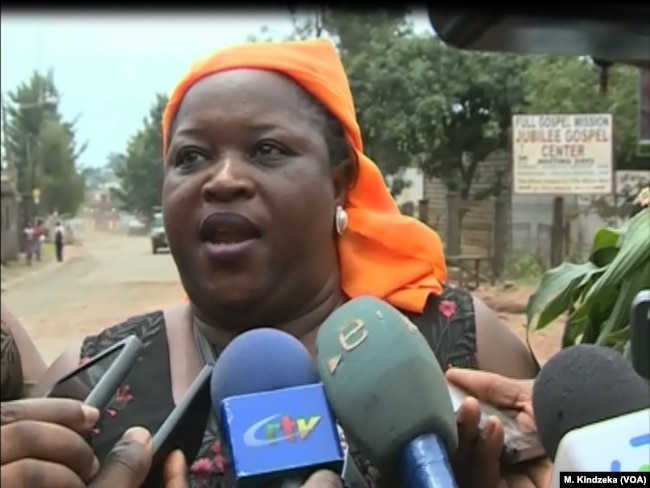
(272, 412)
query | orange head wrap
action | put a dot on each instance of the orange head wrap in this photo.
(382, 252)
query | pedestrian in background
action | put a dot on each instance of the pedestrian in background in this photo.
(29, 234)
(39, 238)
(58, 241)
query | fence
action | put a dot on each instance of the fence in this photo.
(485, 229)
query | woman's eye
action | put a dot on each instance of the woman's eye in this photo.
(189, 158)
(266, 149)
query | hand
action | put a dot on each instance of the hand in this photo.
(323, 479)
(41, 445)
(482, 450)
(127, 465)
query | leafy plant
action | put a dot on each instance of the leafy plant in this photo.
(597, 295)
(522, 267)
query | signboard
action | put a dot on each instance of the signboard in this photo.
(627, 185)
(562, 154)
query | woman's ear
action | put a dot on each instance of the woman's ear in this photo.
(343, 177)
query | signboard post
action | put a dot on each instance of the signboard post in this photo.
(562, 154)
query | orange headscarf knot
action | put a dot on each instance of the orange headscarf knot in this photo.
(382, 252)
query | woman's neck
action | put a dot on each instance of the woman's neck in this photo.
(303, 325)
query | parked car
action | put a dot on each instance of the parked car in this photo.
(135, 227)
(158, 237)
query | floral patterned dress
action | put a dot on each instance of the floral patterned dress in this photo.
(145, 399)
(11, 369)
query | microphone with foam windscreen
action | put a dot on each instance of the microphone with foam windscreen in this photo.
(388, 392)
(273, 415)
(592, 412)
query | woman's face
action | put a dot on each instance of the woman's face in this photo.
(249, 197)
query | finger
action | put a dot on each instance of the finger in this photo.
(47, 442)
(127, 465)
(467, 419)
(487, 387)
(488, 453)
(537, 472)
(323, 479)
(175, 471)
(63, 411)
(28, 473)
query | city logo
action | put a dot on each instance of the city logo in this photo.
(638, 441)
(277, 428)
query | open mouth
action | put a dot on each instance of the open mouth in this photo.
(227, 228)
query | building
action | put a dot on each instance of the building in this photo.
(10, 208)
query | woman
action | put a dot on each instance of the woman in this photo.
(275, 217)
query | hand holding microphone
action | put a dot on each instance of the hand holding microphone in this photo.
(42, 446)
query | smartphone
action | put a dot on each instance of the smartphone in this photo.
(521, 443)
(96, 381)
(183, 429)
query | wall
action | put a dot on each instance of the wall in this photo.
(413, 192)
(9, 232)
(477, 233)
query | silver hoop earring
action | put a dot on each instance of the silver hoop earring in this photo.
(340, 220)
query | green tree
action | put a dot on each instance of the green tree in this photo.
(421, 102)
(62, 183)
(562, 84)
(140, 169)
(354, 30)
(42, 147)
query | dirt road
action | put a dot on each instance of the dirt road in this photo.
(116, 276)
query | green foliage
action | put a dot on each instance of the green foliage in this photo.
(140, 169)
(444, 109)
(524, 267)
(563, 84)
(42, 147)
(597, 295)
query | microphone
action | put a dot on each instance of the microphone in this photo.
(640, 334)
(592, 412)
(273, 414)
(388, 392)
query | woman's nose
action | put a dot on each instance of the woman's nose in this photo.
(228, 182)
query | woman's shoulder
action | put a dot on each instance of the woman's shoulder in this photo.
(452, 305)
(449, 325)
(11, 378)
(145, 327)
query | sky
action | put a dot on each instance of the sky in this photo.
(108, 68)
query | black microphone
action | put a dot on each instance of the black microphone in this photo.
(592, 412)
